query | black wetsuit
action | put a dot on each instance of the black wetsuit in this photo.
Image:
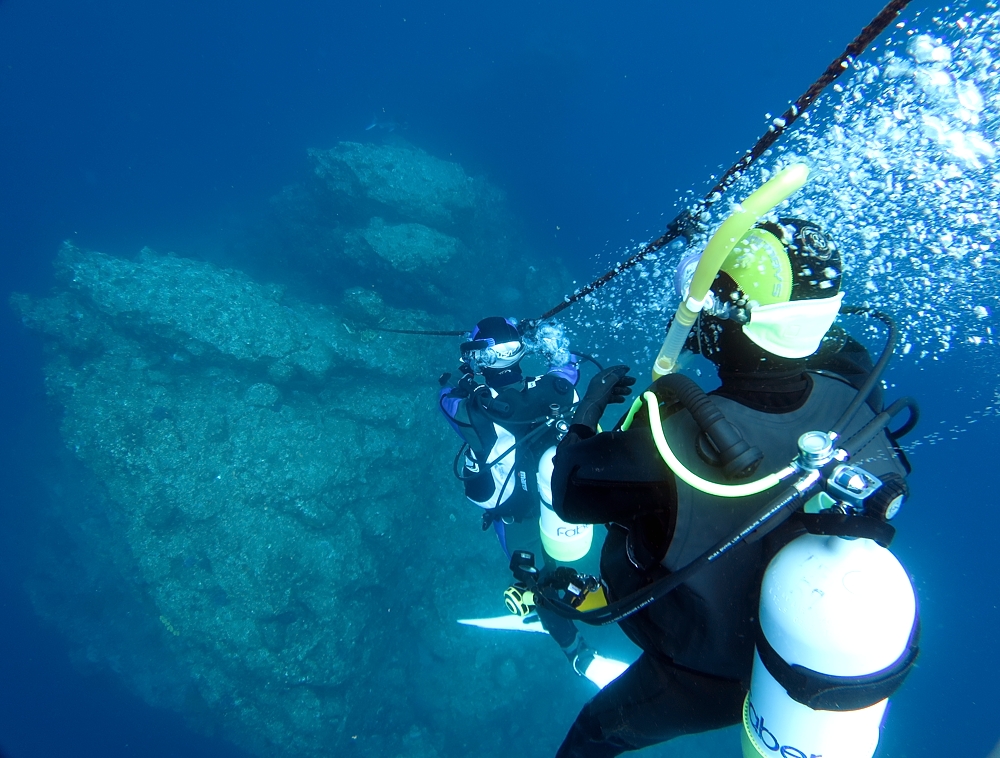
(697, 641)
(521, 409)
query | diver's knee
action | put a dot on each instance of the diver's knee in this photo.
(586, 738)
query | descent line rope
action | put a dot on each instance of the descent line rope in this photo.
(683, 221)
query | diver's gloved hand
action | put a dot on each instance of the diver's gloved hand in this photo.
(467, 384)
(609, 386)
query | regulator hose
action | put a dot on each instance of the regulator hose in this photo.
(761, 523)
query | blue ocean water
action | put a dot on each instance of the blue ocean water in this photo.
(123, 126)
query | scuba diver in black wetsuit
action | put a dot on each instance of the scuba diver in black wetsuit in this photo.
(510, 424)
(661, 486)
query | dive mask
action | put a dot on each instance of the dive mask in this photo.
(487, 353)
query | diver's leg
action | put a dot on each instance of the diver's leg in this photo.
(563, 631)
(651, 702)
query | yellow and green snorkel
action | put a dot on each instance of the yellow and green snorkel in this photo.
(733, 229)
(777, 189)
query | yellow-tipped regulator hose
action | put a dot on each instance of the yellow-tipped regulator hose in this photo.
(731, 453)
(737, 458)
(776, 190)
(690, 478)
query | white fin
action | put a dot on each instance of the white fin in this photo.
(508, 622)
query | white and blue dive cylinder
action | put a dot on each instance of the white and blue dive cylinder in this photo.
(837, 627)
(563, 541)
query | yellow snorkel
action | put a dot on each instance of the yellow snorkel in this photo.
(774, 191)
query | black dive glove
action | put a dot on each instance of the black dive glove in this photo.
(609, 386)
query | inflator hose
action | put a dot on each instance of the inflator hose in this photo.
(737, 457)
(911, 422)
(589, 359)
(876, 374)
(874, 427)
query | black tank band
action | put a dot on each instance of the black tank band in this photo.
(823, 692)
(844, 525)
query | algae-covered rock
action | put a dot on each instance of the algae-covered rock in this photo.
(410, 247)
(270, 489)
(209, 314)
(276, 513)
(398, 179)
(416, 228)
(193, 305)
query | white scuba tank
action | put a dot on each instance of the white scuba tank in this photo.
(563, 541)
(840, 607)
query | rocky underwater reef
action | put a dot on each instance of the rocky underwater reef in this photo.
(415, 228)
(264, 533)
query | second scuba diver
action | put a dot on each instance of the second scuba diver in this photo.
(785, 371)
(510, 424)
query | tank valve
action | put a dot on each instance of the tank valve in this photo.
(852, 485)
(815, 450)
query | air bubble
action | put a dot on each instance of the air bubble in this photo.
(903, 156)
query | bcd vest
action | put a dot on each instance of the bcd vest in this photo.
(707, 624)
(512, 419)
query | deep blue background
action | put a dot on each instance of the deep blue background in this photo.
(123, 124)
